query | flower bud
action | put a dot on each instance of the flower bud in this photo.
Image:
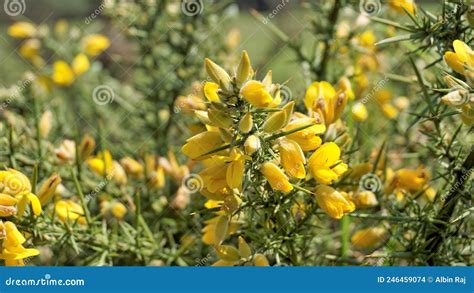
(45, 124)
(132, 167)
(48, 188)
(219, 118)
(260, 260)
(252, 144)
(359, 112)
(218, 74)
(244, 249)
(246, 123)
(275, 121)
(245, 69)
(228, 253)
(86, 147)
(456, 98)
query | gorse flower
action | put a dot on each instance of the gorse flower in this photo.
(16, 184)
(12, 251)
(402, 5)
(462, 59)
(325, 164)
(275, 176)
(324, 102)
(250, 139)
(333, 202)
(69, 212)
(95, 44)
(369, 237)
(22, 30)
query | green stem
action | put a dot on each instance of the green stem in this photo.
(81, 197)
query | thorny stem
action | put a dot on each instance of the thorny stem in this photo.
(333, 17)
(81, 197)
(435, 237)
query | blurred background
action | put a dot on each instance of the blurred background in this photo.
(266, 50)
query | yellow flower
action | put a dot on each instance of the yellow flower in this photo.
(62, 73)
(324, 102)
(365, 199)
(214, 176)
(95, 44)
(68, 212)
(80, 64)
(132, 167)
(22, 30)
(102, 164)
(119, 210)
(411, 180)
(400, 5)
(13, 251)
(325, 165)
(17, 184)
(275, 176)
(235, 169)
(201, 143)
(359, 112)
(292, 158)
(461, 59)
(367, 40)
(7, 205)
(217, 229)
(307, 138)
(256, 94)
(389, 111)
(29, 49)
(210, 92)
(333, 202)
(369, 237)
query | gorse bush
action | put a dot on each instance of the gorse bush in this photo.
(196, 155)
